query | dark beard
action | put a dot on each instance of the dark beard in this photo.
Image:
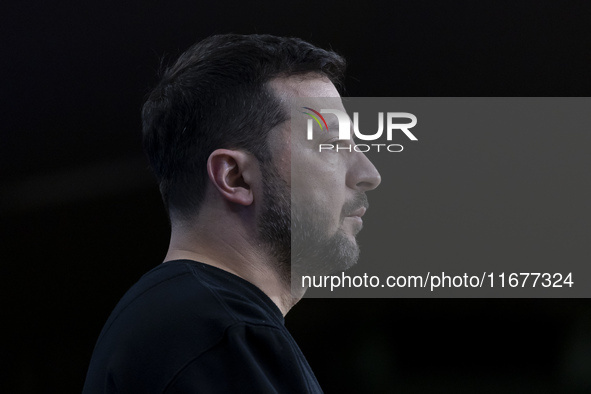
(296, 236)
(274, 222)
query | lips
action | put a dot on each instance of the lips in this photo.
(355, 207)
(359, 212)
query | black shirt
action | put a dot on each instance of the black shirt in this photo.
(187, 327)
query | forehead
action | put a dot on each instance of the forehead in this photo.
(313, 87)
(306, 85)
(288, 89)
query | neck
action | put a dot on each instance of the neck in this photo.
(237, 254)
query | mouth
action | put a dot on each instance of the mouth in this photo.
(355, 208)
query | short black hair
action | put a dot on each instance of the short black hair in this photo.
(216, 95)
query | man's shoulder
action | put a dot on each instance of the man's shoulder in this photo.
(173, 315)
(195, 294)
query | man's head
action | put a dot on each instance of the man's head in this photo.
(216, 96)
(224, 108)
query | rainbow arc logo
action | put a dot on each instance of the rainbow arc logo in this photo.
(316, 117)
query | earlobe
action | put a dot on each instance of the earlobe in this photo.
(228, 171)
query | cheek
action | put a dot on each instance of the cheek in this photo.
(318, 192)
(318, 182)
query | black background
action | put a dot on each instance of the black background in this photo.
(82, 219)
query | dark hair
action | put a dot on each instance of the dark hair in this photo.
(216, 96)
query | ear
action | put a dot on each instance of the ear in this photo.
(232, 173)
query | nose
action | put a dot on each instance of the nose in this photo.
(362, 174)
